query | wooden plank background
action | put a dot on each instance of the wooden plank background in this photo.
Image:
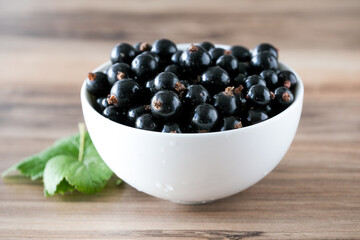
(46, 49)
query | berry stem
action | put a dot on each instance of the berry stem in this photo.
(81, 141)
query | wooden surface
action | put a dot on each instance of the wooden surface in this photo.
(46, 49)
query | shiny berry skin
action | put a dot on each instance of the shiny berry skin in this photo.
(142, 47)
(253, 80)
(229, 63)
(258, 95)
(125, 93)
(165, 105)
(226, 103)
(149, 85)
(101, 104)
(144, 67)
(168, 81)
(205, 118)
(175, 58)
(195, 95)
(287, 79)
(114, 114)
(215, 79)
(271, 79)
(264, 61)
(230, 123)
(174, 69)
(195, 60)
(136, 112)
(256, 115)
(239, 80)
(164, 48)
(157, 58)
(265, 47)
(283, 97)
(215, 53)
(171, 128)
(207, 45)
(97, 84)
(146, 122)
(244, 105)
(117, 72)
(241, 53)
(122, 52)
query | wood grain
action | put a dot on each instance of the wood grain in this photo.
(46, 49)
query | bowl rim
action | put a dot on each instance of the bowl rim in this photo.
(299, 95)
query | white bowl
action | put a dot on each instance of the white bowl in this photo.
(193, 168)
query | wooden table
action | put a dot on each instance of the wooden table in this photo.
(46, 50)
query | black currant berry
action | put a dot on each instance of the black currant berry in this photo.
(171, 128)
(239, 80)
(265, 47)
(258, 95)
(207, 45)
(114, 114)
(287, 79)
(157, 58)
(146, 122)
(122, 52)
(283, 97)
(215, 53)
(136, 112)
(125, 93)
(195, 95)
(195, 60)
(175, 69)
(168, 81)
(165, 105)
(97, 84)
(226, 103)
(230, 123)
(215, 79)
(205, 118)
(264, 61)
(271, 79)
(256, 116)
(164, 48)
(117, 72)
(253, 80)
(241, 53)
(101, 104)
(229, 63)
(144, 67)
(175, 58)
(142, 47)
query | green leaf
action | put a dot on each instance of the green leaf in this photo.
(54, 173)
(64, 187)
(91, 174)
(71, 163)
(34, 165)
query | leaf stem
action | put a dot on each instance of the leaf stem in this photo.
(81, 141)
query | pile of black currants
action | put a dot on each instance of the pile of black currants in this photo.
(201, 89)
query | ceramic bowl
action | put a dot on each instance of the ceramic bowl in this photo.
(193, 168)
